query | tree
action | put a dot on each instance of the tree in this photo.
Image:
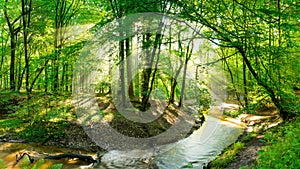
(13, 32)
(225, 23)
(26, 11)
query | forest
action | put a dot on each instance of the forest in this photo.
(94, 76)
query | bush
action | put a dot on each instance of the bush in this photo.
(283, 148)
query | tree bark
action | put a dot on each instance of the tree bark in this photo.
(13, 43)
(26, 23)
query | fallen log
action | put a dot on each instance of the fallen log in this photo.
(85, 158)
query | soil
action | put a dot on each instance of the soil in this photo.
(248, 156)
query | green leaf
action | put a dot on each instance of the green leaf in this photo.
(38, 164)
(56, 166)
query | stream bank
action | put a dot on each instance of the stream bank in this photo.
(251, 141)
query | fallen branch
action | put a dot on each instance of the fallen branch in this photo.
(18, 158)
(70, 155)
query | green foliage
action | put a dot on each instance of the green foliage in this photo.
(249, 136)
(283, 147)
(2, 164)
(56, 166)
(39, 118)
(227, 157)
(24, 163)
(38, 164)
(245, 167)
(234, 113)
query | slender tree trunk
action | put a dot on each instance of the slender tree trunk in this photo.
(46, 79)
(187, 58)
(122, 74)
(245, 84)
(156, 44)
(149, 66)
(279, 40)
(26, 23)
(12, 64)
(2, 81)
(174, 84)
(128, 66)
(232, 81)
(63, 73)
(13, 38)
(269, 90)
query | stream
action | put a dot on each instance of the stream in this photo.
(194, 151)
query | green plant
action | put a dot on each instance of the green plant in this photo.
(245, 167)
(227, 157)
(234, 113)
(283, 148)
(249, 136)
(2, 164)
(25, 163)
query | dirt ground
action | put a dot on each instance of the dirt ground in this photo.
(248, 156)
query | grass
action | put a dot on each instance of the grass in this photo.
(228, 156)
(37, 118)
(43, 117)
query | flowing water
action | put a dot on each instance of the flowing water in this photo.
(196, 150)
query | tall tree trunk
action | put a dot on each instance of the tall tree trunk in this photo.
(46, 79)
(26, 23)
(128, 66)
(122, 74)
(174, 83)
(245, 84)
(269, 89)
(12, 62)
(188, 55)
(149, 66)
(232, 81)
(13, 43)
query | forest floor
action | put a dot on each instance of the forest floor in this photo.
(52, 120)
(251, 140)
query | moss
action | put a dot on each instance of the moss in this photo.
(228, 156)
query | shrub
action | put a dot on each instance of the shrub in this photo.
(283, 148)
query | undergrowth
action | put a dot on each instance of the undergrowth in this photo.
(36, 117)
(282, 149)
